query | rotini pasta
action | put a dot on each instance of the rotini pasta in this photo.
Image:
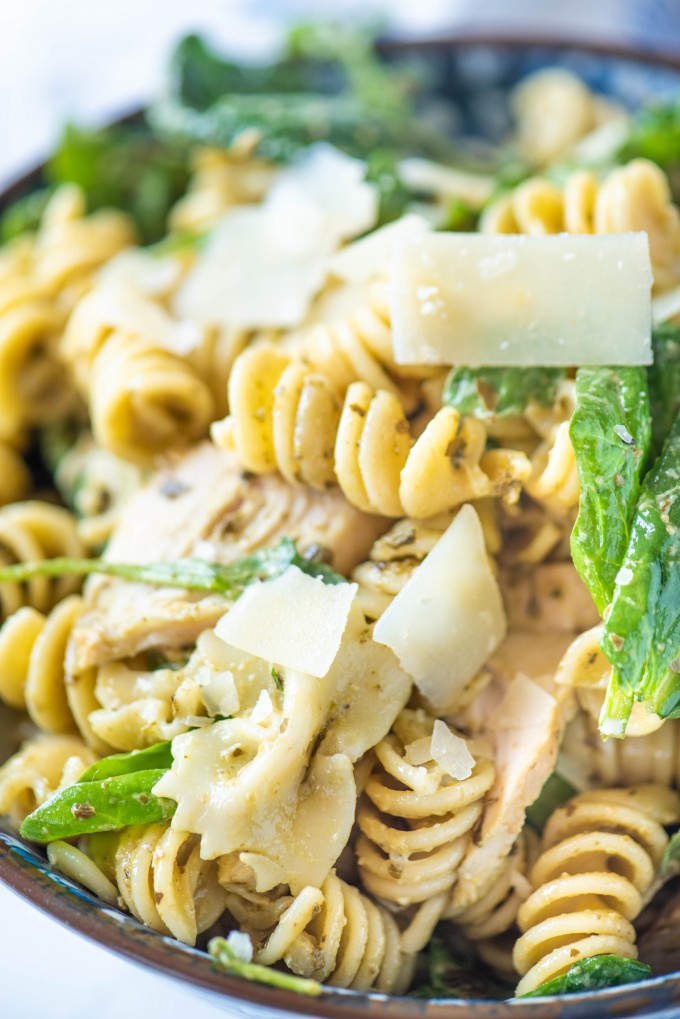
(334, 934)
(36, 530)
(71, 246)
(600, 856)
(161, 879)
(632, 197)
(144, 400)
(37, 770)
(415, 820)
(285, 416)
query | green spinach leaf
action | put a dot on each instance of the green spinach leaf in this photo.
(157, 756)
(663, 377)
(593, 974)
(611, 434)
(108, 805)
(501, 392)
(642, 631)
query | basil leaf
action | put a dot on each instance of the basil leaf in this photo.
(663, 378)
(642, 631)
(593, 974)
(500, 392)
(157, 756)
(611, 434)
(554, 793)
(89, 807)
(229, 580)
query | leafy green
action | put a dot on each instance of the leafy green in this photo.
(97, 806)
(157, 756)
(593, 974)
(642, 631)
(123, 167)
(393, 197)
(654, 134)
(330, 85)
(554, 793)
(500, 392)
(191, 574)
(663, 379)
(670, 861)
(450, 977)
(228, 958)
(23, 215)
(611, 434)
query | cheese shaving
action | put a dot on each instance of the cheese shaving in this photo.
(451, 751)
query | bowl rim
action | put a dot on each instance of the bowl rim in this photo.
(121, 933)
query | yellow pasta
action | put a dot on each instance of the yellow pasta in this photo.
(600, 857)
(333, 933)
(145, 400)
(636, 196)
(285, 416)
(161, 878)
(36, 530)
(415, 820)
(38, 769)
(70, 245)
(32, 673)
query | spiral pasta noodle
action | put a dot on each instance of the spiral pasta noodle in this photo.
(357, 345)
(221, 180)
(145, 400)
(391, 562)
(34, 385)
(334, 934)
(162, 879)
(70, 245)
(32, 652)
(30, 531)
(554, 109)
(415, 821)
(633, 197)
(15, 477)
(42, 765)
(600, 855)
(285, 416)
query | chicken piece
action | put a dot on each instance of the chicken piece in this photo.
(550, 596)
(202, 505)
(523, 715)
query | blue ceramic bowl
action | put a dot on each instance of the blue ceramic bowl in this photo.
(477, 73)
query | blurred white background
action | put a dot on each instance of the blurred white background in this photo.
(89, 60)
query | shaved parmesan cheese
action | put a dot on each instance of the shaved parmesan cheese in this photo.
(451, 751)
(448, 618)
(477, 300)
(430, 178)
(294, 620)
(419, 752)
(371, 256)
(218, 691)
(280, 248)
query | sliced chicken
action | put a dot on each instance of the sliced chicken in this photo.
(523, 715)
(550, 596)
(202, 505)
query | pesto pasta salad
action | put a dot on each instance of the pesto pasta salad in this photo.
(339, 526)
